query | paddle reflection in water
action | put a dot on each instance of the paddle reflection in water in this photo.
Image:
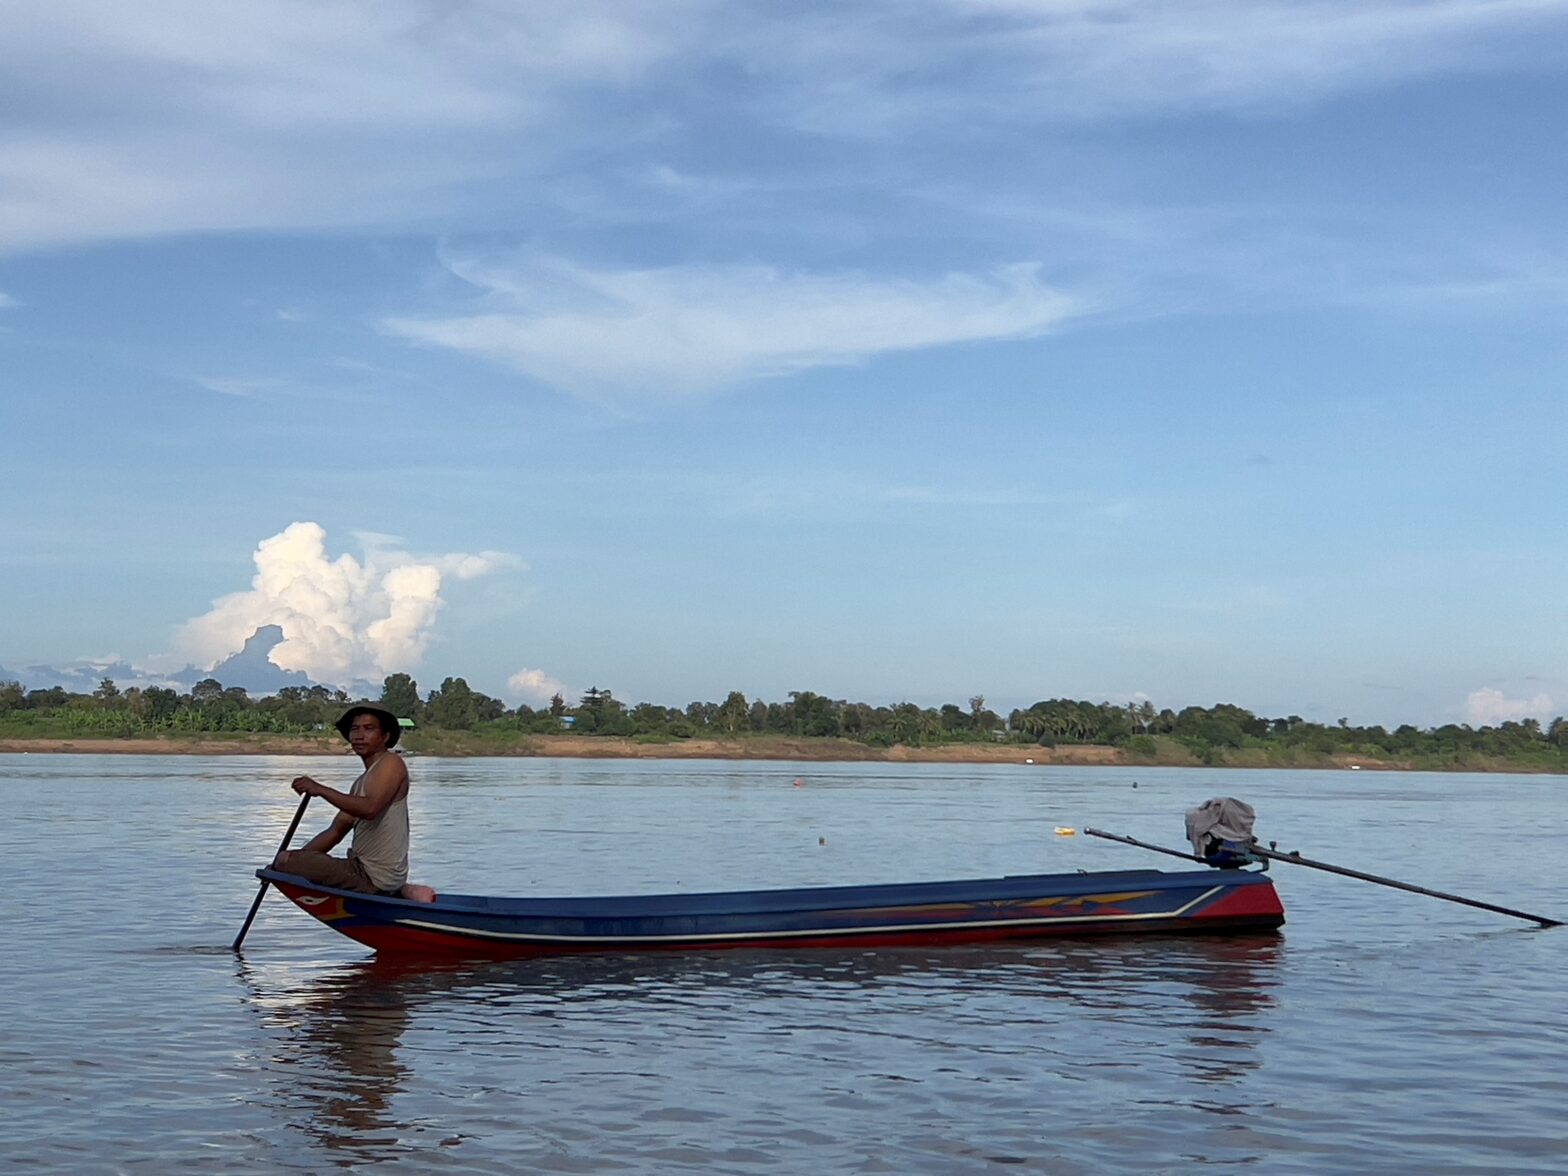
(335, 1061)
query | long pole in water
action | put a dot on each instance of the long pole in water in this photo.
(1296, 859)
(262, 892)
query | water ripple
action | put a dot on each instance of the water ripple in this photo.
(1380, 1033)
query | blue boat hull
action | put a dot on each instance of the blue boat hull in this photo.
(900, 914)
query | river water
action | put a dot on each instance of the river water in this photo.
(1378, 1032)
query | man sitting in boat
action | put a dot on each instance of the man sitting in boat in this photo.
(374, 810)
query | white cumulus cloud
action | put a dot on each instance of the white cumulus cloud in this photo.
(1488, 707)
(535, 686)
(344, 620)
(695, 328)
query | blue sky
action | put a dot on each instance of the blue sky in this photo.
(1027, 348)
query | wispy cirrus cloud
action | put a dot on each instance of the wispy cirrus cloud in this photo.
(857, 497)
(239, 387)
(696, 328)
(874, 70)
(1033, 60)
(179, 116)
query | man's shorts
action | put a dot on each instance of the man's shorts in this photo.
(323, 868)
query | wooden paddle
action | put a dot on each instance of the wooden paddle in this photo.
(262, 892)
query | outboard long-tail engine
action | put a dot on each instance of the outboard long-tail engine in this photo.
(1221, 833)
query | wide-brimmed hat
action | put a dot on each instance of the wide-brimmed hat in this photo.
(389, 721)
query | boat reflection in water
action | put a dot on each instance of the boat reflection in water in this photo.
(372, 1054)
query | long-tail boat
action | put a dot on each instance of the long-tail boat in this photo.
(1016, 907)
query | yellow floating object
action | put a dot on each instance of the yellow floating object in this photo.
(1064, 831)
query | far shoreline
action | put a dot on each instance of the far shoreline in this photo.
(759, 749)
(582, 747)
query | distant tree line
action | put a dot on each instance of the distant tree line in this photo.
(1223, 733)
(208, 707)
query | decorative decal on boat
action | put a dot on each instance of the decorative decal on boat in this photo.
(326, 907)
(1108, 899)
(760, 935)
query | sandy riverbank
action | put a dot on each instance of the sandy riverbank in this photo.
(580, 747)
(821, 750)
(764, 747)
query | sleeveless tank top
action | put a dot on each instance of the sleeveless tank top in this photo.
(381, 845)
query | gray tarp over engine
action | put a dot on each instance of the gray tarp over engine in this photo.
(1215, 822)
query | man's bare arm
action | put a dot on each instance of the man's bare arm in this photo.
(323, 842)
(387, 782)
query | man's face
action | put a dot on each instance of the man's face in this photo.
(365, 735)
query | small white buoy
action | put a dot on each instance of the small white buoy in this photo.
(1028, 761)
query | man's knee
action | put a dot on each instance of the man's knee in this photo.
(327, 871)
(304, 863)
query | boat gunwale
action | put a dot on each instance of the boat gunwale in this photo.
(1006, 888)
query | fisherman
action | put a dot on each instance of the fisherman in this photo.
(374, 809)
